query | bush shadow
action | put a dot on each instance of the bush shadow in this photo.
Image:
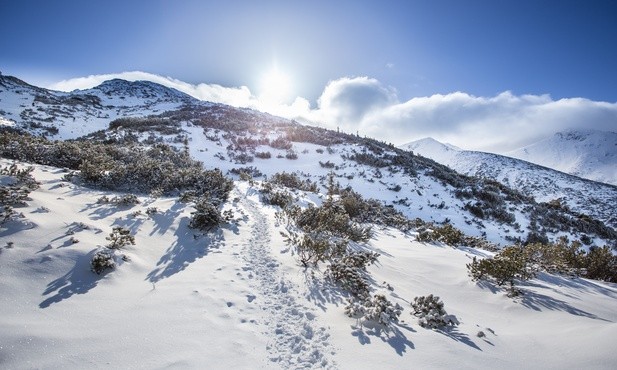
(393, 335)
(187, 248)
(79, 280)
(163, 221)
(454, 334)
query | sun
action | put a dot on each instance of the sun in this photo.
(275, 86)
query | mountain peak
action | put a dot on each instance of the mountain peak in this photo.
(140, 89)
(591, 154)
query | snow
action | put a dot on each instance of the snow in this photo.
(544, 184)
(237, 298)
(586, 153)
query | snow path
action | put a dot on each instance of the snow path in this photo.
(297, 341)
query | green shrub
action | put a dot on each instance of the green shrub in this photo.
(207, 215)
(446, 234)
(331, 218)
(102, 260)
(510, 263)
(312, 248)
(349, 270)
(601, 264)
(376, 309)
(431, 313)
(119, 238)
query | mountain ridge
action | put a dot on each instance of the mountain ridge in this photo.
(591, 154)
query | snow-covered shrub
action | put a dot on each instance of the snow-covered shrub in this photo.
(281, 143)
(119, 238)
(16, 185)
(126, 167)
(560, 257)
(430, 312)
(349, 271)
(312, 248)
(125, 200)
(102, 260)
(331, 219)
(601, 264)
(292, 180)
(207, 215)
(263, 155)
(377, 309)
(446, 234)
(510, 263)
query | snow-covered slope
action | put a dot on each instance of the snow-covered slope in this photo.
(238, 298)
(544, 184)
(245, 140)
(80, 112)
(585, 153)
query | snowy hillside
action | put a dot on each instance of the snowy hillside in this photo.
(242, 140)
(175, 233)
(236, 297)
(544, 184)
(71, 115)
(589, 154)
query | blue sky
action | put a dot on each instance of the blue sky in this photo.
(393, 52)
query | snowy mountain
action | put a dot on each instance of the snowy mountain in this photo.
(544, 184)
(80, 112)
(229, 238)
(585, 153)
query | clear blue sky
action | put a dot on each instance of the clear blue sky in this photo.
(563, 48)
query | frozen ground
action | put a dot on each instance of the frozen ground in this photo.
(237, 298)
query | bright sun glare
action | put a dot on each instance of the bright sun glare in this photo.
(275, 86)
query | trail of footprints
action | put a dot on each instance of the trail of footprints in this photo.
(297, 342)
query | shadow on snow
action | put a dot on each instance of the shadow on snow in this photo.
(187, 248)
(392, 335)
(79, 280)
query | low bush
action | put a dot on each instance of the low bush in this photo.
(431, 313)
(293, 181)
(207, 215)
(376, 309)
(446, 234)
(349, 270)
(102, 260)
(312, 248)
(119, 238)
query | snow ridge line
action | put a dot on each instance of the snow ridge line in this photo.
(296, 340)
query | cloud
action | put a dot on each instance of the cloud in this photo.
(495, 124)
(347, 101)
(362, 104)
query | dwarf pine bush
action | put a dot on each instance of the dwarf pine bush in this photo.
(102, 260)
(207, 215)
(376, 309)
(119, 238)
(431, 313)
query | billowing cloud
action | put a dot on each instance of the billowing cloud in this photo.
(361, 104)
(347, 101)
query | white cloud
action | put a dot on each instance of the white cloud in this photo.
(361, 104)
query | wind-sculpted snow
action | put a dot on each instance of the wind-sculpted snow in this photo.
(237, 298)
